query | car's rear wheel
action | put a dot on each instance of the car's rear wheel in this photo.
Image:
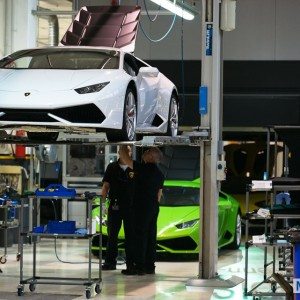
(127, 133)
(173, 117)
(238, 233)
(42, 136)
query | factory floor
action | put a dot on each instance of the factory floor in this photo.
(169, 282)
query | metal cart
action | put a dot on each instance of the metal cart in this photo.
(8, 221)
(89, 283)
(275, 239)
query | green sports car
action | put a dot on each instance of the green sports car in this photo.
(178, 220)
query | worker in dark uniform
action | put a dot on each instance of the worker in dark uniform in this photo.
(118, 185)
(148, 190)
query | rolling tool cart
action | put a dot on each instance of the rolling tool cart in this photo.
(8, 221)
(294, 238)
(56, 230)
(272, 238)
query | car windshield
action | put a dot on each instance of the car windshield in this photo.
(74, 59)
(179, 196)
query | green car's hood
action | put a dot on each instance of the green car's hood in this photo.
(171, 216)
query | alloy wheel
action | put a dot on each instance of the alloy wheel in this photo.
(173, 117)
(130, 116)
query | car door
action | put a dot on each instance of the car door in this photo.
(224, 205)
(148, 88)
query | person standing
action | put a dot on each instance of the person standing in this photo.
(118, 185)
(148, 190)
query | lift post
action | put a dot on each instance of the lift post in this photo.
(211, 150)
(210, 78)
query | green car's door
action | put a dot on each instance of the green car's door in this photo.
(224, 208)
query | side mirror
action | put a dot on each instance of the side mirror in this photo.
(149, 71)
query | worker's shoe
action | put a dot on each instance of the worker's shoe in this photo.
(108, 267)
(150, 269)
(140, 272)
(129, 271)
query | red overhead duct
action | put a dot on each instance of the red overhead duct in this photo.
(106, 26)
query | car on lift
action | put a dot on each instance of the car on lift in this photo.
(85, 89)
(178, 220)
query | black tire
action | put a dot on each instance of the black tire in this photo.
(97, 289)
(31, 287)
(43, 136)
(127, 133)
(173, 117)
(20, 291)
(88, 294)
(96, 253)
(237, 234)
(3, 260)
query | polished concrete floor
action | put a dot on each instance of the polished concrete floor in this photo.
(169, 282)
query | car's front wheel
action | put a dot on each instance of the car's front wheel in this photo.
(127, 133)
(238, 233)
(173, 117)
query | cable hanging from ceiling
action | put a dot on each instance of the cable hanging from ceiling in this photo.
(152, 20)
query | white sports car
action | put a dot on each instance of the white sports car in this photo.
(73, 89)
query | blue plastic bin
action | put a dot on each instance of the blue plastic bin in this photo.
(39, 229)
(61, 227)
(55, 190)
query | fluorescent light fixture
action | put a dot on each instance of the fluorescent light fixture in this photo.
(177, 7)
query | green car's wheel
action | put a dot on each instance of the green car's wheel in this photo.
(96, 253)
(238, 233)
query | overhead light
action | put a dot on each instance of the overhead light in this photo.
(178, 7)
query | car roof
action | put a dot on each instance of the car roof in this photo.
(76, 47)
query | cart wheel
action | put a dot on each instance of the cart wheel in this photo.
(3, 260)
(88, 294)
(18, 257)
(20, 291)
(273, 287)
(31, 287)
(97, 289)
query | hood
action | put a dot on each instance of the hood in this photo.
(51, 80)
(170, 216)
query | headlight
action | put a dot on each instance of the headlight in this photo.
(91, 88)
(187, 224)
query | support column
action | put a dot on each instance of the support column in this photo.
(211, 79)
(20, 25)
(2, 26)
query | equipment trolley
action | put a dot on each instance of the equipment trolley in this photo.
(90, 282)
(9, 221)
(274, 239)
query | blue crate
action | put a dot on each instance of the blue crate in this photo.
(61, 227)
(39, 229)
(11, 210)
(55, 190)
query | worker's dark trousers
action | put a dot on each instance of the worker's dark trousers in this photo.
(145, 226)
(114, 220)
